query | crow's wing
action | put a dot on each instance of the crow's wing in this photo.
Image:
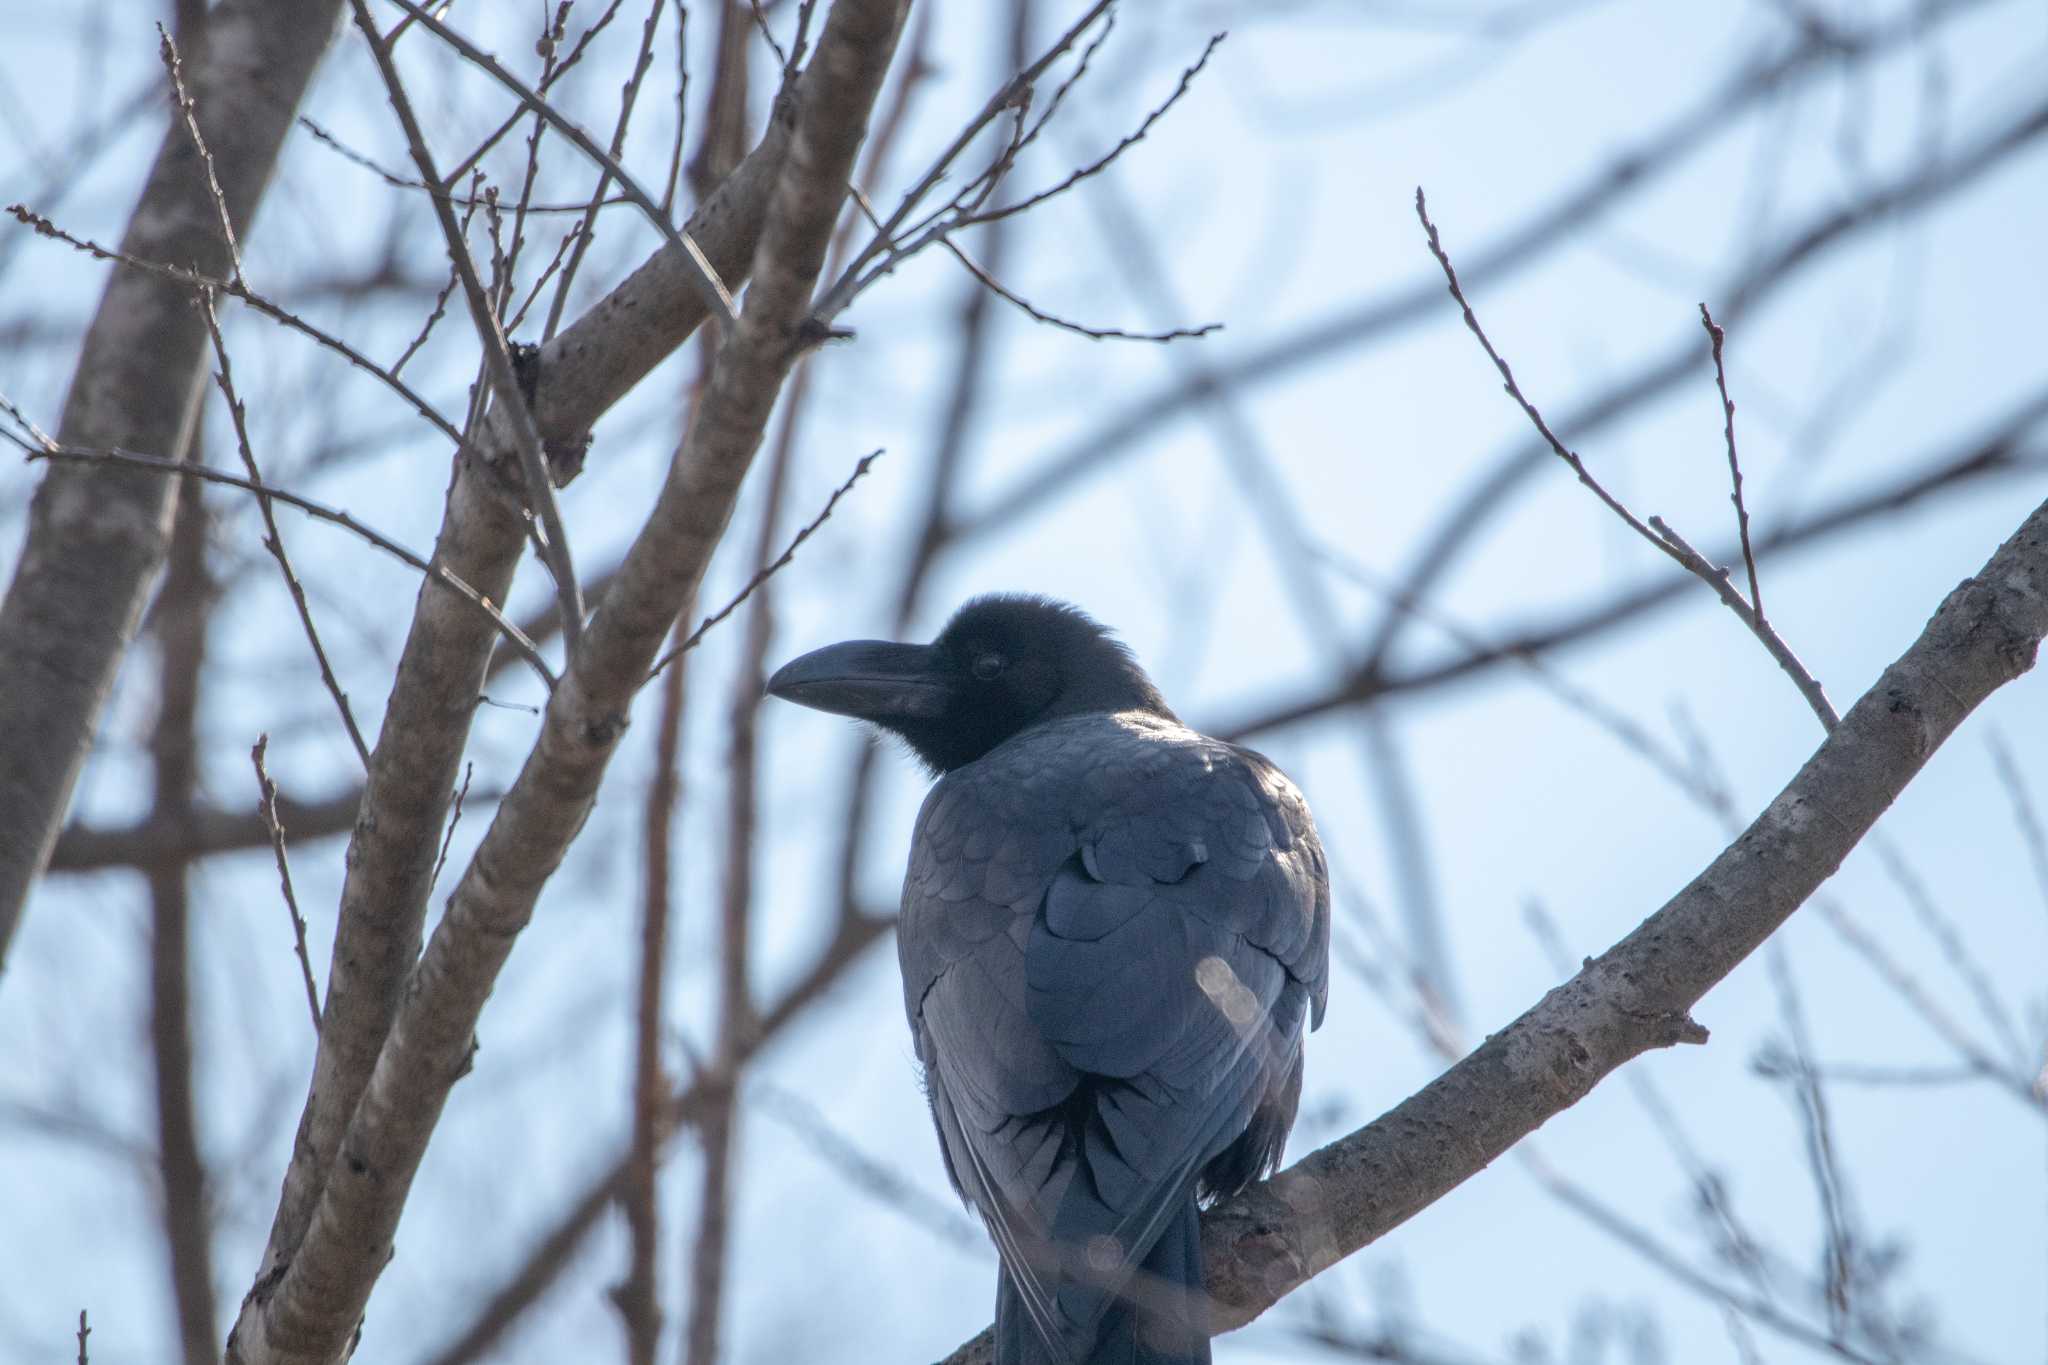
(1113, 929)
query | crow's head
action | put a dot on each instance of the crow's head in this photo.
(1002, 665)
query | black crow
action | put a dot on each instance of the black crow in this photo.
(1114, 933)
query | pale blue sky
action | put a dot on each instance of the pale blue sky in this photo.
(1277, 196)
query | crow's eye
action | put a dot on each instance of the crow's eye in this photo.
(988, 666)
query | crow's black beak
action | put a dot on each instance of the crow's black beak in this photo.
(870, 680)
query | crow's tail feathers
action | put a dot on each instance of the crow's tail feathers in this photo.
(1165, 1320)
(1162, 1320)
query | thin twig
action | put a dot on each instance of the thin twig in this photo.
(2032, 833)
(1124, 144)
(180, 623)
(175, 67)
(32, 439)
(798, 46)
(440, 308)
(977, 197)
(965, 208)
(768, 35)
(454, 819)
(975, 192)
(1663, 537)
(854, 276)
(405, 182)
(1829, 1186)
(506, 272)
(586, 231)
(518, 639)
(273, 541)
(769, 570)
(1514, 389)
(675, 147)
(638, 1296)
(583, 42)
(1716, 578)
(44, 227)
(540, 485)
(1772, 1064)
(1624, 728)
(1942, 929)
(1024, 305)
(267, 803)
(712, 289)
(1916, 997)
(1716, 335)
(575, 237)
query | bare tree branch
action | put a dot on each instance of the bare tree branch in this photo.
(637, 1295)
(211, 829)
(413, 768)
(200, 282)
(308, 1304)
(515, 414)
(856, 273)
(1657, 533)
(585, 231)
(1380, 318)
(2033, 833)
(267, 807)
(705, 275)
(1716, 336)
(180, 622)
(273, 541)
(175, 69)
(2009, 447)
(771, 567)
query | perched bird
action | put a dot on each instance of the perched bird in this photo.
(1114, 933)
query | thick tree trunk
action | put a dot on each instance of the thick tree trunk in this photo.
(97, 535)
